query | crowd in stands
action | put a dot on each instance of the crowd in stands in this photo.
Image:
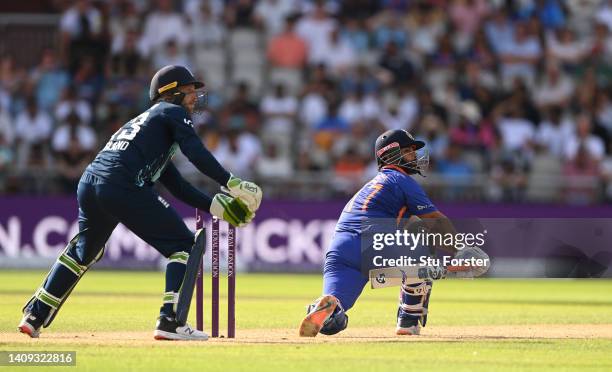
(514, 98)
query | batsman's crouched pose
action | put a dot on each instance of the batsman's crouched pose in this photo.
(392, 194)
(118, 187)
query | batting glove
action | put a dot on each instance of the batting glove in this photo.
(232, 210)
(474, 252)
(246, 191)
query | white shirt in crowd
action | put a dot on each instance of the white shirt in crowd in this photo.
(71, 21)
(273, 13)
(85, 135)
(553, 93)
(528, 48)
(313, 109)
(553, 136)
(160, 28)
(353, 110)
(593, 144)
(315, 31)
(81, 107)
(33, 130)
(568, 52)
(515, 132)
(272, 105)
(242, 161)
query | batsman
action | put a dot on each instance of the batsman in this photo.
(392, 195)
(117, 187)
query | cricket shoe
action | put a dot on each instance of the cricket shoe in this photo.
(168, 329)
(30, 325)
(407, 327)
(318, 314)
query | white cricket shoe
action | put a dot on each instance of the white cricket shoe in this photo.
(168, 329)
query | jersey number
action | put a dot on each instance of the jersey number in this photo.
(128, 133)
(376, 187)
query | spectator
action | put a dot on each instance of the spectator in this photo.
(316, 27)
(273, 163)
(71, 161)
(12, 77)
(239, 13)
(71, 103)
(456, 171)
(87, 81)
(333, 122)
(336, 54)
(161, 26)
(288, 49)
(466, 15)
(349, 169)
(238, 151)
(425, 30)
(279, 111)
(125, 23)
(517, 132)
(171, 54)
(313, 106)
(509, 181)
(32, 131)
(520, 58)
(82, 35)
(355, 32)
(7, 156)
(71, 130)
(500, 31)
(583, 138)
(49, 80)
(206, 29)
(581, 173)
(391, 31)
(399, 70)
(127, 61)
(563, 46)
(469, 132)
(240, 109)
(554, 132)
(434, 134)
(359, 107)
(7, 129)
(271, 14)
(554, 89)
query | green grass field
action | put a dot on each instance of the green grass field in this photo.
(473, 325)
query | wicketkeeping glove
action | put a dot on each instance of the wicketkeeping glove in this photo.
(230, 209)
(246, 191)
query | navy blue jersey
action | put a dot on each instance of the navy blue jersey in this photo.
(139, 152)
(391, 194)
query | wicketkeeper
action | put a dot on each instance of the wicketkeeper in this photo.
(118, 187)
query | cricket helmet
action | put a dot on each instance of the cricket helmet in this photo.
(389, 146)
(168, 79)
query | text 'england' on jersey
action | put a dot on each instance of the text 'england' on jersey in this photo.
(139, 151)
(388, 195)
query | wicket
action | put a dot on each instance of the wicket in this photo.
(215, 272)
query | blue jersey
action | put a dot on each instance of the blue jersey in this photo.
(391, 194)
(140, 151)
